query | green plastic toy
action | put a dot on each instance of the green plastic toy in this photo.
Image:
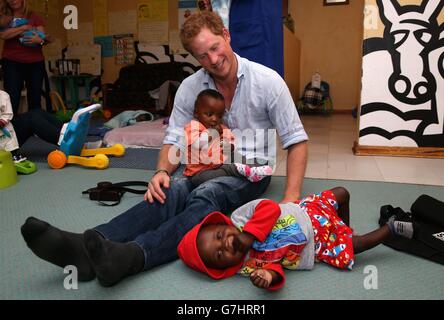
(8, 173)
(25, 167)
(62, 113)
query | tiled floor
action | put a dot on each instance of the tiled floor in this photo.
(330, 156)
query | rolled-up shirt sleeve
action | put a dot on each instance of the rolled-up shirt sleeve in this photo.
(283, 114)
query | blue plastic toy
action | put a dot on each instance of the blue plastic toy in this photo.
(72, 144)
(6, 132)
(17, 22)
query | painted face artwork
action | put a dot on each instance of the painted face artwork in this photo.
(402, 99)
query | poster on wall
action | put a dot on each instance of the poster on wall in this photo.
(186, 9)
(89, 56)
(83, 35)
(153, 21)
(175, 45)
(124, 49)
(122, 22)
(402, 96)
(52, 52)
(106, 45)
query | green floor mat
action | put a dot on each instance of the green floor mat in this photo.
(55, 196)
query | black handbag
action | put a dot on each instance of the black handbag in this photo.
(427, 214)
(112, 192)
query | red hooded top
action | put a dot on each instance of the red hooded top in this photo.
(264, 218)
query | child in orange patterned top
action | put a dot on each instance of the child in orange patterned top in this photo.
(210, 144)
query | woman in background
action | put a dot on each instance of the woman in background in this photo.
(22, 55)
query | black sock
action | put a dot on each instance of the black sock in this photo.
(112, 261)
(58, 247)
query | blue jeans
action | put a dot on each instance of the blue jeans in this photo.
(17, 73)
(158, 228)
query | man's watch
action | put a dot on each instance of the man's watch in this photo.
(42, 43)
(161, 170)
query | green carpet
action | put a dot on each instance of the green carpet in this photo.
(55, 196)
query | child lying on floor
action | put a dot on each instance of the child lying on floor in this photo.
(263, 237)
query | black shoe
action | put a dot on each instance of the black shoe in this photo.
(18, 158)
(387, 211)
(384, 214)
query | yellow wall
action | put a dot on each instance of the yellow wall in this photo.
(54, 23)
(54, 27)
(292, 47)
(111, 70)
(331, 43)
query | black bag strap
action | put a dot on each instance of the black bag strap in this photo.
(122, 186)
(108, 204)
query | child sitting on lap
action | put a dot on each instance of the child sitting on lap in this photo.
(263, 237)
(210, 143)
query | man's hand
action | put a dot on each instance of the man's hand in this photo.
(289, 199)
(162, 178)
(261, 278)
(242, 242)
(154, 192)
